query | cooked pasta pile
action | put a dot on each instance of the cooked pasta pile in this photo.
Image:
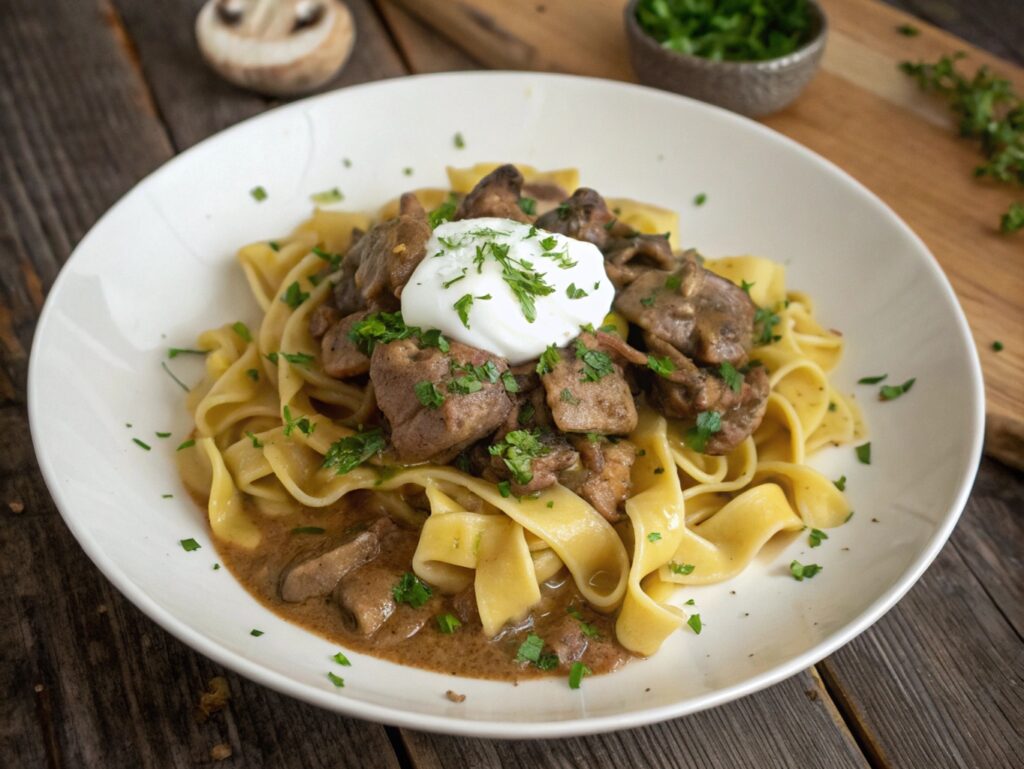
(266, 416)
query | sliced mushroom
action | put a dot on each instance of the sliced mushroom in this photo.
(277, 47)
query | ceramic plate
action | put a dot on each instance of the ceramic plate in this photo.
(159, 267)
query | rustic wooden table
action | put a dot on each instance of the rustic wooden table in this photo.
(95, 94)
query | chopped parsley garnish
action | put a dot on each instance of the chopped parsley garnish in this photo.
(351, 451)
(141, 444)
(381, 328)
(524, 281)
(463, 305)
(411, 590)
(465, 384)
(695, 624)
(832, 406)
(448, 623)
(253, 374)
(1013, 219)
(308, 530)
(550, 504)
(892, 392)
(700, 199)
(816, 536)
(549, 243)
(518, 449)
(174, 352)
(186, 444)
(708, 423)
(188, 545)
(508, 381)
(848, 517)
(576, 673)
(997, 346)
(333, 260)
(530, 649)
(648, 301)
(242, 330)
(908, 30)
(548, 360)
(303, 424)
(747, 286)
(332, 195)
(294, 296)
(295, 358)
(654, 536)
(731, 376)
(258, 194)
(336, 680)
(563, 211)
(690, 602)
(274, 245)
(255, 633)
(673, 282)
(342, 660)
(428, 394)
(801, 572)
(589, 630)
(575, 293)
(765, 320)
(505, 489)
(659, 470)
(681, 568)
(727, 30)
(407, 170)
(660, 366)
(864, 453)
(167, 496)
(256, 442)
(459, 141)
(528, 206)
(566, 396)
(444, 212)
(596, 364)
(841, 483)
(455, 280)
(526, 413)
(434, 338)
(870, 380)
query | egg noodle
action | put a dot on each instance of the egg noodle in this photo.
(701, 524)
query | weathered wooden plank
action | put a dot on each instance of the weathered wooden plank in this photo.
(789, 725)
(194, 101)
(423, 50)
(939, 681)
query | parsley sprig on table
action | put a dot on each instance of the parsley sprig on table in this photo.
(989, 110)
(734, 30)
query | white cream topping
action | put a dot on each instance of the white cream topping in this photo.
(504, 267)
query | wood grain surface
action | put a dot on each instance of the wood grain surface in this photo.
(87, 680)
(861, 113)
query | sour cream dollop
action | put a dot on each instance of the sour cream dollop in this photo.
(507, 287)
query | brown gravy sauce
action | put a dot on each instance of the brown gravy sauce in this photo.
(465, 652)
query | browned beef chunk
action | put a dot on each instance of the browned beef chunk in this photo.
(584, 216)
(607, 482)
(546, 196)
(341, 357)
(464, 603)
(545, 469)
(690, 390)
(577, 405)
(707, 318)
(420, 433)
(497, 194)
(629, 257)
(317, 574)
(569, 641)
(381, 261)
(322, 318)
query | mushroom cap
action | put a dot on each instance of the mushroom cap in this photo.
(275, 47)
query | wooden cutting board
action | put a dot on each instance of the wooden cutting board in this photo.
(860, 112)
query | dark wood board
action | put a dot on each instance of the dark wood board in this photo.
(87, 680)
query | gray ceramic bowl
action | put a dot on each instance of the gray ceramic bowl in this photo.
(749, 87)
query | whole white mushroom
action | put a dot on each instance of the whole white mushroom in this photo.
(276, 47)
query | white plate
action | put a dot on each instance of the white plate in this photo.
(159, 267)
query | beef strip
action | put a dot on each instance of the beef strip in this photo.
(380, 263)
(607, 482)
(316, 575)
(497, 194)
(560, 456)
(571, 644)
(689, 390)
(707, 318)
(629, 257)
(584, 216)
(322, 318)
(604, 406)
(419, 433)
(341, 357)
